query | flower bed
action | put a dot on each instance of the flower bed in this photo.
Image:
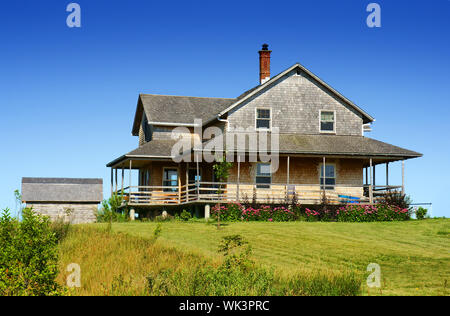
(372, 213)
(236, 211)
(348, 213)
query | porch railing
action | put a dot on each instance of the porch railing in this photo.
(214, 192)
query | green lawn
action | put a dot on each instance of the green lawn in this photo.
(414, 256)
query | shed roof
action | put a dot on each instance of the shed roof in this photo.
(67, 190)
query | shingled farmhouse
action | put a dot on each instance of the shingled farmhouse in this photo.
(323, 150)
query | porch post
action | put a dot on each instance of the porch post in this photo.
(116, 181)
(287, 178)
(123, 176)
(179, 189)
(187, 181)
(130, 175)
(288, 169)
(371, 183)
(324, 169)
(112, 182)
(403, 177)
(197, 180)
(387, 174)
(238, 177)
(374, 174)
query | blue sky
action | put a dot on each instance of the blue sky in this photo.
(68, 95)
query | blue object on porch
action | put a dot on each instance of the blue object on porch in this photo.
(349, 199)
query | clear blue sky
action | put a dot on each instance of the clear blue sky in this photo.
(68, 96)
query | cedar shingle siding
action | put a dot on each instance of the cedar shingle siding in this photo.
(296, 101)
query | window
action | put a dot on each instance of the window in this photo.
(330, 177)
(192, 175)
(170, 179)
(327, 121)
(263, 175)
(263, 117)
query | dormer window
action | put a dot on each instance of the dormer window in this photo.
(327, 122)
(263, 119)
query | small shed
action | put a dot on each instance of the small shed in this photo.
(75, 200)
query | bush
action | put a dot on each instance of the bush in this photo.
(396, 198)
(60, 228)
(228, 212)
(185, 216)
(236, 212)
(28, 256)
(109, 211)
(372, 213)
(421, 213)
(323, 212)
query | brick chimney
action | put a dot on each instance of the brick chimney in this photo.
(264, 63)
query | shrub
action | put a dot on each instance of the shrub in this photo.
(282, 214)
(28, 256)
(60, 228)
(421, 213)
(185, 216)
(228, 213)
(396, 198)
(372, 213)
(323, 212)
(110, 210)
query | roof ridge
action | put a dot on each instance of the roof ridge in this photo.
(182, 96)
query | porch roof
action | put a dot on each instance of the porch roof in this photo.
(157, 149)
(336, 145)
(314, 145)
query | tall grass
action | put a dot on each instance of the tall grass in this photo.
(120, 264)
(414, 255)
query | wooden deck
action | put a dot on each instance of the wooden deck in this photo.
(208, 192)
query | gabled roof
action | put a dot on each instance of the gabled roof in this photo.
(248, 94)
(182, 110)
(177, 110)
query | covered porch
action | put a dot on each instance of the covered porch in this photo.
(309, 179)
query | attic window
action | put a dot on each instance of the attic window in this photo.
(327, 121)
(263, 119)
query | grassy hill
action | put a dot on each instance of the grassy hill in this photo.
(414, 256)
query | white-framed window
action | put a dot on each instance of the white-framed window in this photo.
(263, 119)
(329, 180)
(263, 175)
(170, 179)
(327, 121)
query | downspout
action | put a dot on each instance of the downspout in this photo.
(223, 120)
